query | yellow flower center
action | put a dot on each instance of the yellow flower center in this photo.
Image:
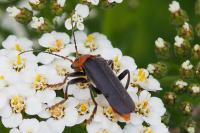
(2, 77)
(117, 64)
(57, 47)
(61, 70)
(19, 64)
(83, 85)
(110, 114)
(57, 112)
(83, 108)
(142, 76)
(103, 131)
(18, 47)
(17, 104)
(147, 130)
(40, 82)
(142, 108)
(90, 42)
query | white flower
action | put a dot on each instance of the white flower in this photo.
(105, 109)
(56, 42)
(63, 114)
(13, 11)
(93, 2)
(36, 2)
(101, 124)
(141, 77)
(61, 3)
(196, 47)
(151, 68)
(148, 109)
(195, 89)
(117, 1)
(187, 65)
(40, 79)
(186, 26)
(37, 22)
(161, 128)
(181, 83)
(82, 10)
(85, 109)
(15, 104)
(18, 44)
(29, 126)
(178, 41)
(174, 7)
(160, 43)
(76, 20)
(92, 42)
(18, 66)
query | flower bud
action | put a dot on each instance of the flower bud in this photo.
(190, 126)
(186, 107)
(170, 97)
(57, 6)
(22, 15)
(162, 49)
(166, 117)
(181, 47)
(38, 4)
(158, 69)
(196, 52)
(180, 85)
(178, 16)
(186, 31)
(197, 7)
(186, 70)
(197, 70)
(194, 89)
(197, 28)
(40, 24)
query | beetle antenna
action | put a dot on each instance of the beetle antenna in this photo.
(74, 37)
(63, 57)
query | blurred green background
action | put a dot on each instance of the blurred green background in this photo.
(133, 26)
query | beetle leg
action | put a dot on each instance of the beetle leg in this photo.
(96, 89)
(74, 81)
(111, 64)
(59, 85)
(95, 108)
(123, 74)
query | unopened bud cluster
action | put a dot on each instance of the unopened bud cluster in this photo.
(182, 60)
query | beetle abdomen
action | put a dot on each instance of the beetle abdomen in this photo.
(106, 81)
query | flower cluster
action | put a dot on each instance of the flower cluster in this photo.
(30, 86)
(182, 74)
(32, 83)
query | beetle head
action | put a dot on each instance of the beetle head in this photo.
(79, 62)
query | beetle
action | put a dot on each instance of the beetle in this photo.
(98, 71)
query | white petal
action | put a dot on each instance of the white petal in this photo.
(13, 121)
(29, 125)
(45, 58)
(56, 125)
(44, 128)
(71, 116)
(46, 95)
(33, 106)
(82, 10)
(14, 130)
(68, 24)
